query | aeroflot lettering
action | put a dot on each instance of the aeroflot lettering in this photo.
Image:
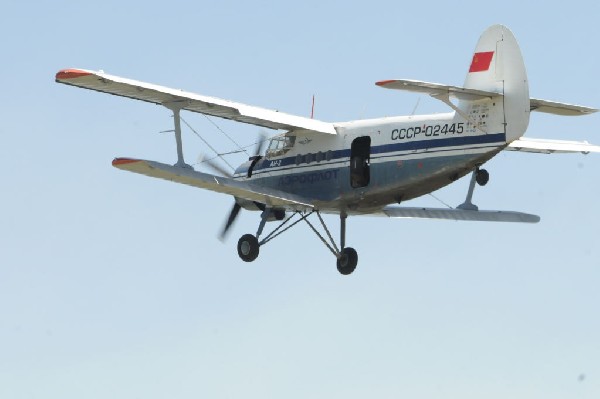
(428, 131)
(309, 178)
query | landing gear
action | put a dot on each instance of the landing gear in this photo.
(347, 258)
(347, 261)
(481, 177)
(248, 248)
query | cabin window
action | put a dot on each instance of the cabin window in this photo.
(279, 145)
(319, 156)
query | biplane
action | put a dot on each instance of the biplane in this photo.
(363, 167)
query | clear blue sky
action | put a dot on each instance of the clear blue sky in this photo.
(115, 285)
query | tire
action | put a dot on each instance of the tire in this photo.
(347, 261)
(482, 177)
(248, 248)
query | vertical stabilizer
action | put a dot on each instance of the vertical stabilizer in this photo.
(498, 66)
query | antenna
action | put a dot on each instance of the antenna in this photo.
(312, 111)
(416, 106)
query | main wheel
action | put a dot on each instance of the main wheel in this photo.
(248, 247)
(482, 177)
(348, 261)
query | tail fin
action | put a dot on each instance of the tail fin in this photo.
(497, 66)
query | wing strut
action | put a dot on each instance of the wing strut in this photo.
(176, 107)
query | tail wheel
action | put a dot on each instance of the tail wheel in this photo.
(347, 261)
(248, 247)
(482, 177)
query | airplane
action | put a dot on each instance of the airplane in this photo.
(362, 167)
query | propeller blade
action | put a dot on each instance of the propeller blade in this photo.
(260, 144)
(232, 216)
(214, 166)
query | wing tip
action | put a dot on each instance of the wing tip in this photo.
(123, 161)
(384, 82)
(70, 73)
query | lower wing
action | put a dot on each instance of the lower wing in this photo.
(225, 185)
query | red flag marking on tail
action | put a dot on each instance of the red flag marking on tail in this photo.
(481, 61)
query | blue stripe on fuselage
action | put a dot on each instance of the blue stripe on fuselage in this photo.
(498, 138)
(445, 142)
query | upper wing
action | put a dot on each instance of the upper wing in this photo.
(271, 119)
(248, 191)
(460, 214)
(551, 146)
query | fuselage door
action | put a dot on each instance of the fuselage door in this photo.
(360, 161)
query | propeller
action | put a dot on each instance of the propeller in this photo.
(210, 162)
(260, 143)
(215, 166)
(233, 214)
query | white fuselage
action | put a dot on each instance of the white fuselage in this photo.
(372, 163)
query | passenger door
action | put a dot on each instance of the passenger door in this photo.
(360, 161)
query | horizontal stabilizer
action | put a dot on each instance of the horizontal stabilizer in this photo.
(552, 107)
(218, 184)
(103, 82)
(462, 93)
(460, 214)
(437, 89)
(543, 146)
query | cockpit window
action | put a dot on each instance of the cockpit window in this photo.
(280, 145)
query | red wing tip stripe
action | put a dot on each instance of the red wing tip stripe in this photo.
(123, 161)
(71, 74)
(384, 82)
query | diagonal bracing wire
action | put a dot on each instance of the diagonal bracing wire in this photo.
(440, 201)
(226, 135)
(206, 142)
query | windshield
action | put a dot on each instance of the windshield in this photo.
(280, 145)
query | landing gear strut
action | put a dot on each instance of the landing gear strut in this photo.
(347, 258)
(481, 177)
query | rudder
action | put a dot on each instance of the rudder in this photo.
(497, 66)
